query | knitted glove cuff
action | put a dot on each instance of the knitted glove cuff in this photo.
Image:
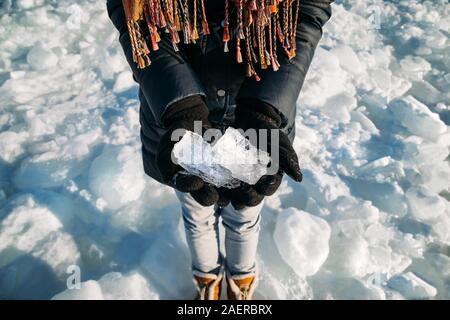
(253, 113)
(192, 108)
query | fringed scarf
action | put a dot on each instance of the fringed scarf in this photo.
(261, 25)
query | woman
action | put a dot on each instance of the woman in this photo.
(225, 63)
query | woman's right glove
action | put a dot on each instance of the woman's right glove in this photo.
(182, 115)
(257, 115)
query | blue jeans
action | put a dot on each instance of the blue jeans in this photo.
(202, 235)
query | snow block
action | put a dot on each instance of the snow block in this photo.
(417, 118)
(117, 176)
(302, 240)
(412, 287)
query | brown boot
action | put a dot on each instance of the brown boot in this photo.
(240, 288)
(209, 286)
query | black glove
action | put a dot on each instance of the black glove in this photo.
(181, 115)
(254, 114)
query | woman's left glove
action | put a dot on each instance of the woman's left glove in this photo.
(254, 114)
(183, 115)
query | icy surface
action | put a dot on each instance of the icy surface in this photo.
(231, 159)
(372, 138)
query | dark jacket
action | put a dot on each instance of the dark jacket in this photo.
(204, 69)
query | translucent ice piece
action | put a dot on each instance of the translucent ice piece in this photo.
(234, 152)
(232, 159)
(195, 155)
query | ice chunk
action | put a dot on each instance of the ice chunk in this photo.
(327, 286)
(412, 287)
(435, 39)
(424, 205)
(30, 228)
(364, 121)
(383, 169)
(167, 263)
(325, 79)
(434, 268)
(41, 58)
(117, 176)
(54, 162)
(436, 177)
(338, 107)
(195, 155)
(441, 226)
(230, 159)
(34, 172)
(11, 145)
(302, 240)
(355, 261)
(234, 152)
(352, 208)
(28, 4)
(419, 120)
(348, 59)
(408, 245)
(112, 286)
(386, 196)
(421, 152)
(322, 187)
(427, 93)
(116, 286)
(381, 79)
(90, 290)
(415, 67)
(359, 260)
(123, 82)
(399, 87)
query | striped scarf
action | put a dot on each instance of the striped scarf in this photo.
(261, 25)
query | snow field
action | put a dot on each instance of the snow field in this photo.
(370, 221)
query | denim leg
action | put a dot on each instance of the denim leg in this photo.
(202, 234)
(241, 238)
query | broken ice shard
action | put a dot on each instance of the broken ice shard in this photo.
(195, 155)
(230, 160)
(234, 152)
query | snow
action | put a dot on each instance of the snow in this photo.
(371, 219)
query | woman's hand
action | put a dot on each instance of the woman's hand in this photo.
(254, 114)
(181, 116)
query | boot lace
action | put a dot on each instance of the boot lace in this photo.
(245, 292)
(202, 292)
